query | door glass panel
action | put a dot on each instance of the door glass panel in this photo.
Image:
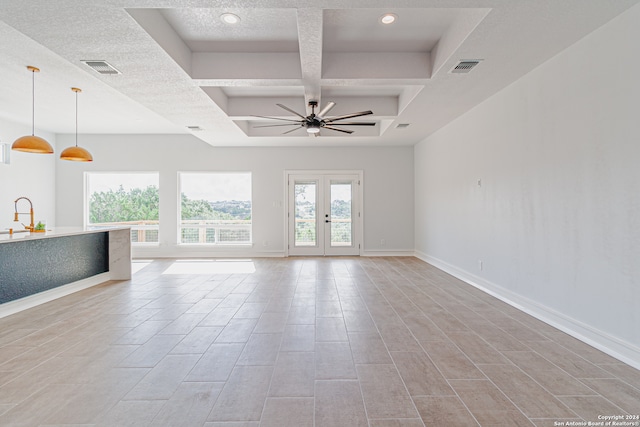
(341, 223)
(305, 213)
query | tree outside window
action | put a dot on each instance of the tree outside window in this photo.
(215, 208)
(131, 199)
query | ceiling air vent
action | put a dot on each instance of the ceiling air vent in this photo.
(465, 66)
(194, 128)
(102, 67)
(402, 125)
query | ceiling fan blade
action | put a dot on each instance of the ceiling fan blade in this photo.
(354, 124)
(270, 126)
(326, 109)
(338, 129)
(278, 118)
(348, 116)
(284, 107)
(292, 130)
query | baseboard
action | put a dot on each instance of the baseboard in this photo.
(199, 252)
(140, 252)
(12, 307)
(613, 346)
(374, 252)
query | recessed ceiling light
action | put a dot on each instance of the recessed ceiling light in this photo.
(230, 18)
(388, 18)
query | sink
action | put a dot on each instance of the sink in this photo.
(14, 231)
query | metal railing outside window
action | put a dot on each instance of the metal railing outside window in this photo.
(220, 232)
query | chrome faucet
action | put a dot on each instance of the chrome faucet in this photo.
(31, 227)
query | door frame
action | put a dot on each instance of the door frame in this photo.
(359, 227)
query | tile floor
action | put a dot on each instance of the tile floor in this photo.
(322, 342)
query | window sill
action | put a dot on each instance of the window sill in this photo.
(216, 245)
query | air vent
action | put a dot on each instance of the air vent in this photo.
(194, 128)
(102, 67)
(465, 66)
(402, 125)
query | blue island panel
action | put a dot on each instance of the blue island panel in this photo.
(31, 266)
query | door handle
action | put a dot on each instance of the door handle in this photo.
(326, 220)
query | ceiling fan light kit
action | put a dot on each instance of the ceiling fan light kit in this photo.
(314, 123)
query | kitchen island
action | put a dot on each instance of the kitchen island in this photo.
(39, 267)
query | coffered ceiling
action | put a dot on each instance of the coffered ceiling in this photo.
(184, 70)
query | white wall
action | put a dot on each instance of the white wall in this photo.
(388, 185)
(556, 220)
(29, 175)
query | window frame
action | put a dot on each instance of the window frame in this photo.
(179, 225)
(87, 198)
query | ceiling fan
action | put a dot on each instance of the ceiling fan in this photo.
(314, 122)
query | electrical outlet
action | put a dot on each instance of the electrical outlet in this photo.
(480, 264)
(382, 242)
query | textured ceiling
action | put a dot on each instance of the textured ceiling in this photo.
(182, 66)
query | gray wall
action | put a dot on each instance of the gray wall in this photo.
(388, 185)
(556, 219)
(30, 175)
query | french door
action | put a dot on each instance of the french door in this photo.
(324, 215)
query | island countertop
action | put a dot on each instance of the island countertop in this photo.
(20, 236)
(38, 267)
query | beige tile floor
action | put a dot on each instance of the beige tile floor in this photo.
(318, 342)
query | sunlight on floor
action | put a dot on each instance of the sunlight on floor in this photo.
(191, 266)
(139, 264)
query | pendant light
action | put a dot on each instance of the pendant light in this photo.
(76, 154)
(32, 143)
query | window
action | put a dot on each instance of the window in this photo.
(124, 198)
(215, 208)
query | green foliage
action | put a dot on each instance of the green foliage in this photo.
(140, 204)
(136, 204)
(195, 209)
(341, 209)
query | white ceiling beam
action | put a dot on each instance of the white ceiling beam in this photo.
(231, 82)
(310, 40)
(455, 35)
(245, 106)
(159, 29)
(377, 65)
(224, 65)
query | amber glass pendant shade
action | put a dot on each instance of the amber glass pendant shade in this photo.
(32, 143)
(75, 153)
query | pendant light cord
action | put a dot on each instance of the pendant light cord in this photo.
(33, 102)
(76, 119)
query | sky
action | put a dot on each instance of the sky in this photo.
(339, 191)
(216, 186)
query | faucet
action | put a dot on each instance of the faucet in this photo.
(31, 227)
